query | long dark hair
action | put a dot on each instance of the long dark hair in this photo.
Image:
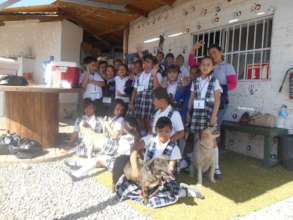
(131, 127)
(119, 102)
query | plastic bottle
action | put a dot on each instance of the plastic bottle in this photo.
(282, 117)
(47, 73)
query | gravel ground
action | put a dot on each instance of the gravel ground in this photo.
(45, 191)
(282, 210)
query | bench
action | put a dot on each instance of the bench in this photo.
(267, 132)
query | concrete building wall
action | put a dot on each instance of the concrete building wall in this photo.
(31, 38)
(261, 95)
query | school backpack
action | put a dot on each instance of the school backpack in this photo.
(13, 144)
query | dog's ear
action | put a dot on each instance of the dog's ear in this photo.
(216, 135)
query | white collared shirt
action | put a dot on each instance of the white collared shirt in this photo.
(204, 84)
(143, 80)
(92, 91)
(149, 140)
(175, 119)
(125, 144)
(184, 71)
(120, 87)
(171, 88)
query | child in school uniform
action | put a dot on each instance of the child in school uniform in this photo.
(205, 101)
(117, 63)
(141, 101)
(102, 66)
(169, 191)
(92, 82)
(183, 92)
(87, 120)
(227, 77)
(171, 81)
(123, 84)
(108, 90)
(163, 105)
(184, 72)
(106, 157)
(161, 56)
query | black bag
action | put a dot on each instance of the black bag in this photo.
(13, 144)
(28, 149)
(10, 139)
(12, 80)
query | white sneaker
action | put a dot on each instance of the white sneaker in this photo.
(70, 163)
(218, 172)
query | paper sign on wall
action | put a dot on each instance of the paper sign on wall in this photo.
(258, 71)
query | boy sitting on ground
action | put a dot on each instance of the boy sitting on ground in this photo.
(168, 191)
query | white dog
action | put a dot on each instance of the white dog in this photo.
(93, 141)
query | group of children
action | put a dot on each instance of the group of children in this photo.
(156, 104)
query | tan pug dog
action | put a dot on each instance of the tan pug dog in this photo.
(203, 155)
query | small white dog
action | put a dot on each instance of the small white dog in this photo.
(203, 155)
(93, 141)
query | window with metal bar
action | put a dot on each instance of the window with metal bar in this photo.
(247, 46)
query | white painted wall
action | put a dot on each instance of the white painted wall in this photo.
(71, 39)
(168, 20)
(70, 42)
(24, 38)
(60, 39)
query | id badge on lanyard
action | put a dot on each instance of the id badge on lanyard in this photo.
(107, 100)
(140, 88)
(199, 104)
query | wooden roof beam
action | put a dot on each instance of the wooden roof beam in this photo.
(137, 10)
(111, 30)
(24, 17)
(87, 28)
(108, 6)
(167, 2)
(20, 13)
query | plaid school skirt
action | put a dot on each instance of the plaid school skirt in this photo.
(165, 194)
(144, 105)
(200, 119)
(109, 152)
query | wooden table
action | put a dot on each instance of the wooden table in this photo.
(32, 112)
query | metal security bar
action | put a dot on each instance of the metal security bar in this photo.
(247, 46)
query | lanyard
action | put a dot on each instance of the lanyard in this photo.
(145, 75)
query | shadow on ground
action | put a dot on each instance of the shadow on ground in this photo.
(244, 178)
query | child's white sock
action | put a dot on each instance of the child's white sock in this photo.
(216, 158)
(86, 167)
(189, 191)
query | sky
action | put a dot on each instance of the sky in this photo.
(29, 3)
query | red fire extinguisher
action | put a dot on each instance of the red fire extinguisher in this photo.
(290, 73)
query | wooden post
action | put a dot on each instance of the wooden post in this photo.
(125, 43)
